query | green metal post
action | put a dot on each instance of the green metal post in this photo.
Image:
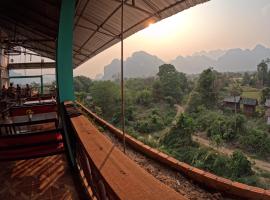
(64, 69)
(64, 64)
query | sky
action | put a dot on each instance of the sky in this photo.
(217, 24)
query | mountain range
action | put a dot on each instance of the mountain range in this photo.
(143, 64)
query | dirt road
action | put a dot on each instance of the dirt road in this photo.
(228, 151)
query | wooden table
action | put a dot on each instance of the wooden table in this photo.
(10, 123)
(39, 102)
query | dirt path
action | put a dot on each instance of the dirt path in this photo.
(179, 110)
(228, 151)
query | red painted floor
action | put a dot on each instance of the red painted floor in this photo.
(42, 178)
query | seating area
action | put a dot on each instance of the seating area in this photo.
(29, 131)
(33, 163)
(47, 178)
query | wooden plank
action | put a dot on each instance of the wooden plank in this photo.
(127, 179)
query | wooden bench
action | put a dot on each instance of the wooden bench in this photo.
(31, 145)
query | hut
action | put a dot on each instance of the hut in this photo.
(249, 105)
(232, 103)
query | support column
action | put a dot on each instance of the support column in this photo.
(64, 70)
(64, 64)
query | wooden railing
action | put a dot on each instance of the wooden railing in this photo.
(202, 177)
(107, 171)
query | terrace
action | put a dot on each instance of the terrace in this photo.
(48, 148)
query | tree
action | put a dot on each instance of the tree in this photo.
(171, 82)
(206, 87)
(194, 102)
(144, 97)
(157, 94)
(265, 94)
(262, 70)
(246, 79)
(235, 91)
(106, 95)
(205, 92)
(82, 83)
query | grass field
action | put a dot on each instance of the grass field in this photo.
(250, 92)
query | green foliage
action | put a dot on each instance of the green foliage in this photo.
(227, 127)
(235, 90)
(246, 79)
(194, 102)
(256, 141)
(82, 83)
(171, 83)
(262, 72)
(154, 123)
(217, 140)
(265, 94)
(129, 116)
(240, 165)
(206, 91)
(206, 88)
(170, 100)
(144, 97)
(106, 95)
(180, 134)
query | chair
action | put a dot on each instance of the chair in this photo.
(7, 129)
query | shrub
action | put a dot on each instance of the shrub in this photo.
(154, 123)
(240, 165)
(256, 141)
(180, 134)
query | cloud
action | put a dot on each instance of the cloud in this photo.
(266, 10)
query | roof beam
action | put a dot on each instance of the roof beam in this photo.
(35, 32)
(153, 15)
(132, 5)
(97, 25)
(36, 24)
(92, 29)
(81, 13)
(104, 22)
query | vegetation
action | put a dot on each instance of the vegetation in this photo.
(178, 142)
(150, 116)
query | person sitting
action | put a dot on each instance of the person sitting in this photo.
(11, 91)
(4, 92)
(18, 93)
(27, 91)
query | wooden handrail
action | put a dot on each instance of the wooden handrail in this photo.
(111, 172)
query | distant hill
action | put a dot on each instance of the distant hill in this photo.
(232, 60)
(142, 64)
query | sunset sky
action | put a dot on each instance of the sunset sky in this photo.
(217, 24)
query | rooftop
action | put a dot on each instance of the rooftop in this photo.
(249, 101)
(232, 99)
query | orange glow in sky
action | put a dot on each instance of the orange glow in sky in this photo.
(217, 24)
